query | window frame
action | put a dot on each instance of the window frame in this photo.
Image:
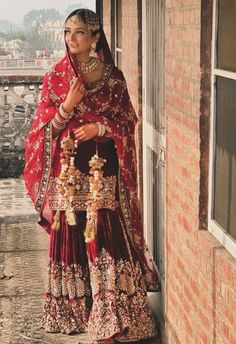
(215, 228)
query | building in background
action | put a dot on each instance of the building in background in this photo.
(27, 52)
(179, 60)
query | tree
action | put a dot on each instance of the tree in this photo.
(40, 16)
(5, 26)
(16, 35)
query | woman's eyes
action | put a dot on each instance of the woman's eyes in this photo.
(79, 32)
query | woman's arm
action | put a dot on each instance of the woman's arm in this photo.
(61, 118)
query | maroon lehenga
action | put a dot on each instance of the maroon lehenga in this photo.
(97, 287)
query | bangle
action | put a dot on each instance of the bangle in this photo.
(101, 129)
(63, 113)
(61, 118)
(59, 122)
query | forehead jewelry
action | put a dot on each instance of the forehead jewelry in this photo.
(74, 19)
(91, 19)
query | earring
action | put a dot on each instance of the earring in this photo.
(93, 50)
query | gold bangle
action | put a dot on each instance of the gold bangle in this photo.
(101, 129)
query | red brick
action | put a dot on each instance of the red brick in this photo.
(204, 284)
(178, 17)
(195, 288)
(227, 313)
(189, 294)
(232, 338)
(180, 265)
(186, 225)
(188, 326)
(205, 320)
(204, 337)
(225, 329)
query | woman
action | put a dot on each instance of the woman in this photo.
(81, 175)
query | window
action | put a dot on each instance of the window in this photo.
(222, 206)
(117, 8)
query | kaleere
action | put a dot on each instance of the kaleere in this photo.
(67, 181)
(96, 184)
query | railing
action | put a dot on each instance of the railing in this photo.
(18, 100)
(36, 63)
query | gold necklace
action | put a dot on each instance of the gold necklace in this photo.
(86, 67)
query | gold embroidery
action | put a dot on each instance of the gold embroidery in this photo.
(68, 280)
(119, 300)
(81, 196)
(47, 164)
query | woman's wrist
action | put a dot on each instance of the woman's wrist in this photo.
(101, 129)
(61, 118)
(66, 108)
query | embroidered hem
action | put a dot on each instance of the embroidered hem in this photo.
(120, 304)
(64, 315)
(119, 301)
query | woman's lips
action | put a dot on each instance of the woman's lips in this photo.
(73, 45)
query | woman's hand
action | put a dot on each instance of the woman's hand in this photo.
(86, 132)
(74, 96)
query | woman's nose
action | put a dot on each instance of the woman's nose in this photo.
(72, 36)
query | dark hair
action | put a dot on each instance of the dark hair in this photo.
(80, 13)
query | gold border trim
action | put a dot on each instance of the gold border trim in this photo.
(46, 170)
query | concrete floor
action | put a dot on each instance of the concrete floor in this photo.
(23, 266)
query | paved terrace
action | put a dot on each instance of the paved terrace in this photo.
(23, 266)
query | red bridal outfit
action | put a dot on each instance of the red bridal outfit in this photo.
(99, 286)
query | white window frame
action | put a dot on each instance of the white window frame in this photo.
(218, 231)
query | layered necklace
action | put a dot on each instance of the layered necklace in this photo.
(86, 67)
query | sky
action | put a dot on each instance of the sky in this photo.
(14, 10)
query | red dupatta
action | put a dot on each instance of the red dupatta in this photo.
(120, 120)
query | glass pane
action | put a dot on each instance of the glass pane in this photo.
(224, 211)
(119, 23)
(154, 64)
(226, 35)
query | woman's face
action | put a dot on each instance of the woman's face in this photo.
(78, 37)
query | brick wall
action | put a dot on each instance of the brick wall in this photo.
(200, 274)
(107, 20)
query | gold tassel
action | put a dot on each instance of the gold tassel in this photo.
(56, 223)
(89, 233)
(70, 216)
